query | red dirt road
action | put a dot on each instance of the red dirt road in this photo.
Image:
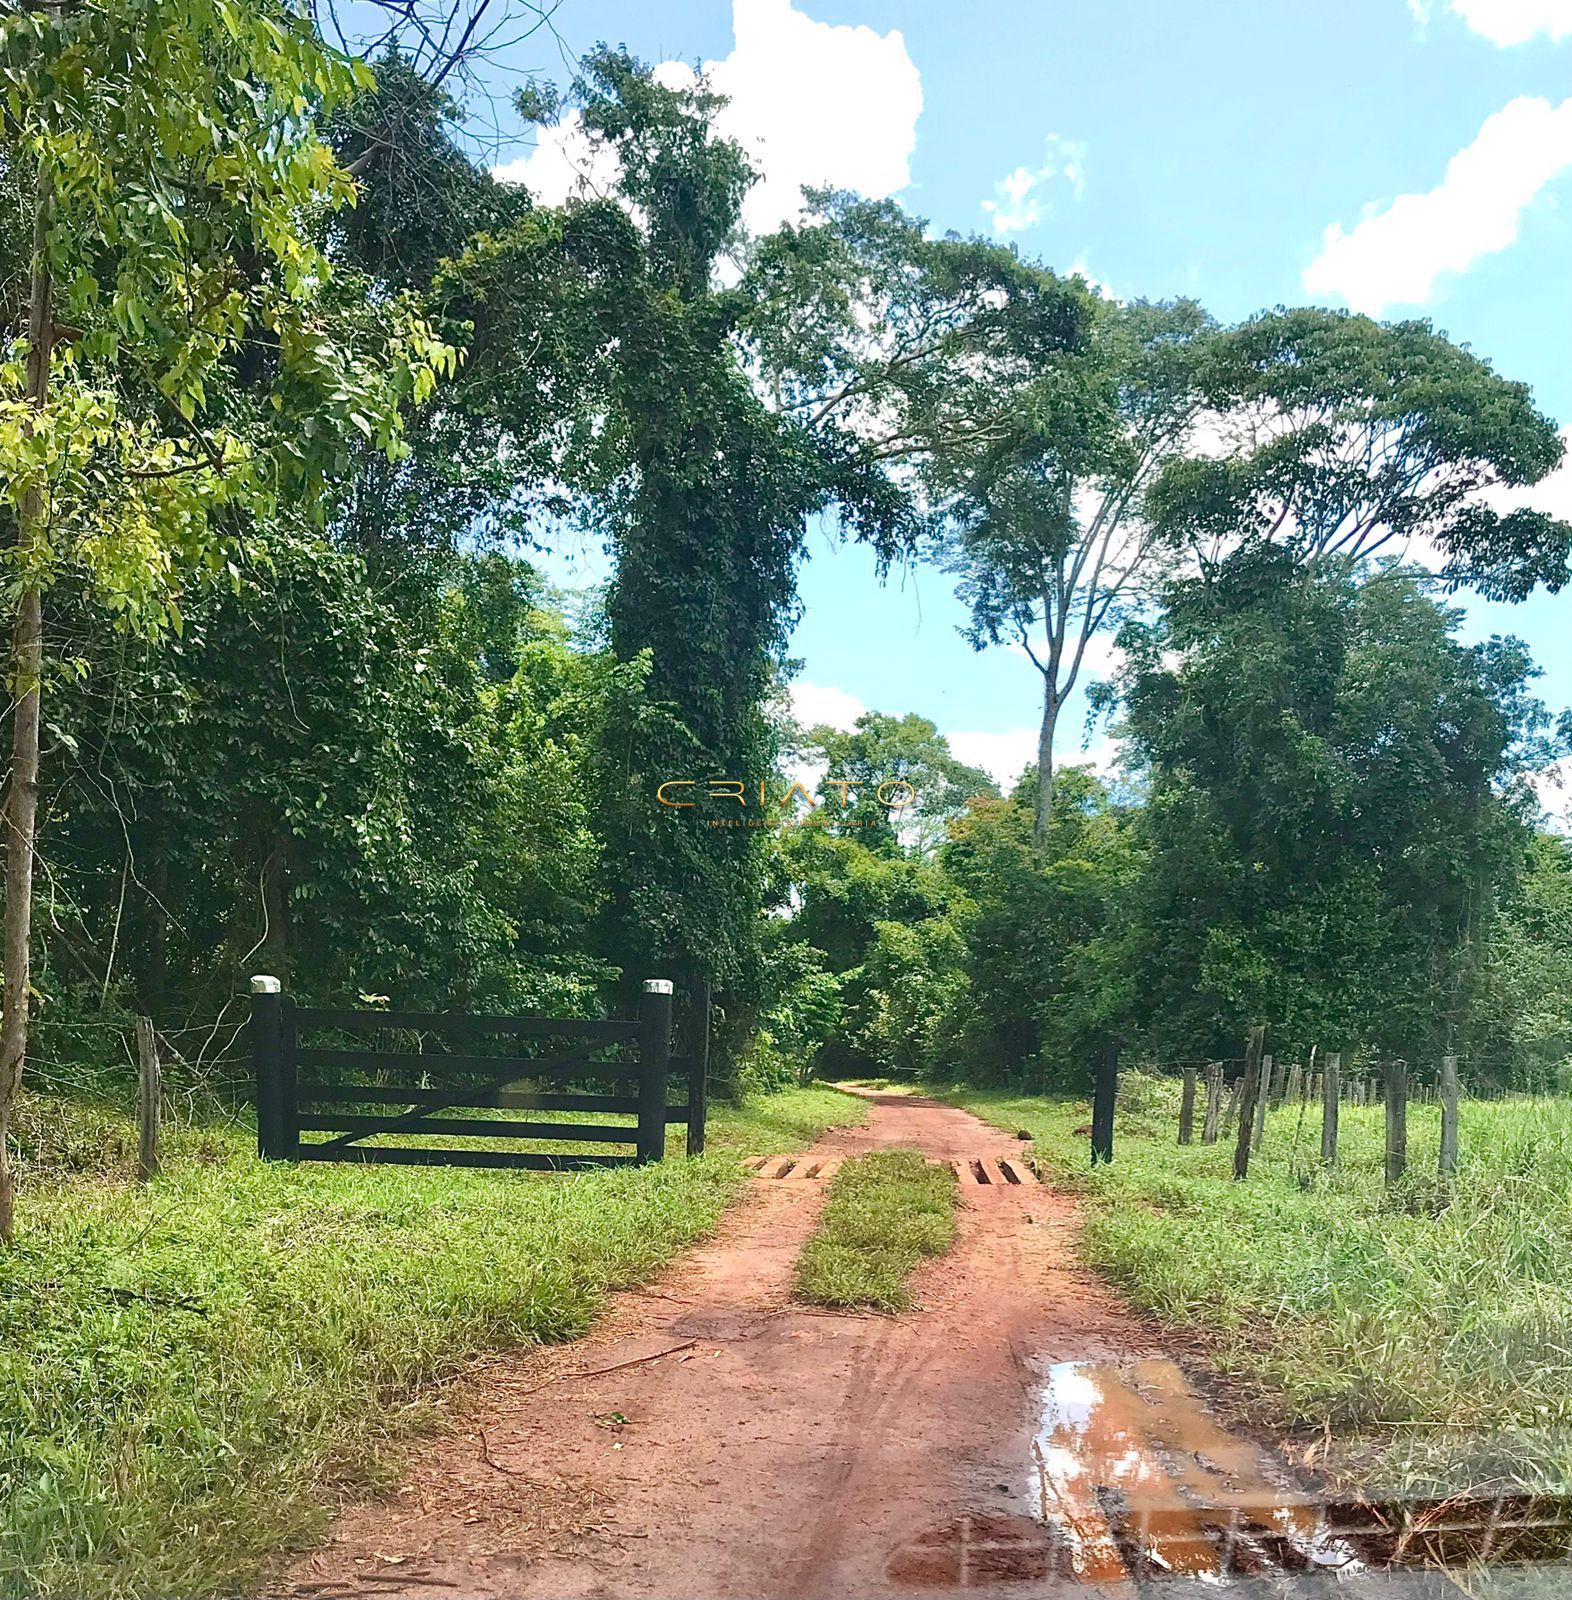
(712, 1439)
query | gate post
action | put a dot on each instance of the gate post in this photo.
(699, 1074)
(654, 1062)
(267, 1064)
(1104, 1090)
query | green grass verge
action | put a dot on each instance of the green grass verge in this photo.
(884, 1212)
(191, 1370)
(1431, 1328)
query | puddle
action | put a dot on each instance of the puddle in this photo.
(1135, 1478)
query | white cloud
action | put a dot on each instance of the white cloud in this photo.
(1019, 200)
(1003, 756)
(813, 703)
(1394, 255)
(813, 103)
(1505, 22)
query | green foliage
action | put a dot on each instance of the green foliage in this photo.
(169, 163)
(1521, 1018)
(1047, 530)
(1334, 798)
(868, 762)
(1047, 931)
(1347, 437)
(883, 1214)
(168, 1417)
(363, 791)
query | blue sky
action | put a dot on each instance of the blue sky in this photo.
(1406, 157)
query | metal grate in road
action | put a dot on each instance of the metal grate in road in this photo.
(975, 1171)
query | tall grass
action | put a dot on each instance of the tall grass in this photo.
(189, 1370)
(884, 1212)
(1429, 1325)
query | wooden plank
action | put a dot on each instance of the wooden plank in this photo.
(779, 1166)
(457, 1022)
(527, 1160)
(434, 1063)
(828, 1169)
(465, 1127)
(992, 1174)
(491, 1099)
(963, 1171)
(1023, 1173)
(753, 1163)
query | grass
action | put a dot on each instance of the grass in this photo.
(190, 1372)
(1430, 1328)
(884, 1212)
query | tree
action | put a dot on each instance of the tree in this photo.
(895, 347)
(165, 162)
(1335, 799)
(1047, 926)
(881, 753)
(1337, 438)
(1048, 531)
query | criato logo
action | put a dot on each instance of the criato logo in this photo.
(760, 808)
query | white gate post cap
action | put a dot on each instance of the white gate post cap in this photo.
(657, 986)
(262, 984)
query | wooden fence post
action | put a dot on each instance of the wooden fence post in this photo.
(1105, 1091)
(267, 1052)
(1448, 1164)
(1187, 1107)
(1233, 1102)
(654, 1064)
(1396, 1120)
(1214, 1102)
(699, 1072)
(1262, 1100)
(1331, 1090)
(149, 1099)
(1249, 1094)
(1293, 1093)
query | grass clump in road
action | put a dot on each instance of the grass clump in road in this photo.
(1428, 1325)
(191, 1371)
(883, 1214)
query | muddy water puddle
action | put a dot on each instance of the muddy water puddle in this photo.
(1132, 1477)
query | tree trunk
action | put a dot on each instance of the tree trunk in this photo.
(21, 799)
(1051, 706)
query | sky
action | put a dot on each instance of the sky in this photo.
(1401, 157)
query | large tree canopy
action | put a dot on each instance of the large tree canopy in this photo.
(1338, 438)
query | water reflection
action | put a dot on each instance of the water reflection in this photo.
(1138, 1479)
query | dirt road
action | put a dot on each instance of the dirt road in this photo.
(1019, 1433)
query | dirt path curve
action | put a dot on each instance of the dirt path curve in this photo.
(774, 1451)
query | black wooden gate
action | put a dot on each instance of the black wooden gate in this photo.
(318, 1073)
